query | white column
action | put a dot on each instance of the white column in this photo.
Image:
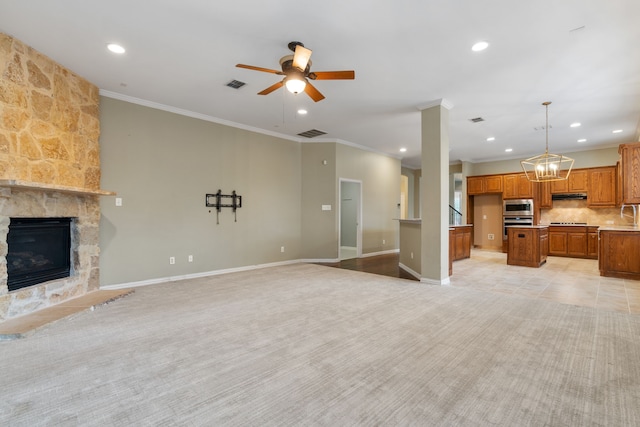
(434, 194)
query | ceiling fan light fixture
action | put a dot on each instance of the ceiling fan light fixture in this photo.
(295, 85)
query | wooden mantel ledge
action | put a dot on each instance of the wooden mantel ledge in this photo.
(26, 185)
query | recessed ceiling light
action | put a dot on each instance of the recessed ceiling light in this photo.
(115, 48)
(582, 140)
(402, 150)
(491, 138)
(617, 131)
(508, 150)
(575, 125)
(302, 111)
(479, 46)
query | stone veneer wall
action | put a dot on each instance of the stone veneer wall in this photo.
(49, 134)
(49, 120)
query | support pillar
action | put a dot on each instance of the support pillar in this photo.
(434, 192)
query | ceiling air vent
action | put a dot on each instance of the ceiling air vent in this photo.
(236, 84)
(476, 120)
(312, 133)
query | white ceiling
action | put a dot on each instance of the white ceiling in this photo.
(583, 55)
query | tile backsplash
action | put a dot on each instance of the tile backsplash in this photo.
(577, 211)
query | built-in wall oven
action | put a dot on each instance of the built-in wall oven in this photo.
(516, 212)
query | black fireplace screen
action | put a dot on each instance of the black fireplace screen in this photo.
(39, 249)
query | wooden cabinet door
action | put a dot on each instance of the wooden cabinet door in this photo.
(525, 187)
(557, 242)
(619, 254)
(544, 244)
(493, 184)
(475, 185)
(577, 243)
(544, 200)
(592, 245)
(559, 187)
(578, 181)
(602, 187)
(510, 185)
(630, 172)
(521, 246)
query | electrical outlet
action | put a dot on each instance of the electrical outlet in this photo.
(384, 241)
(281, 248)
(411, 255)
(118, 201)
(172, 260)
(491, 236)
(190, 258)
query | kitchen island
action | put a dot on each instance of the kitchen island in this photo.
(619, 252)
(528, 245)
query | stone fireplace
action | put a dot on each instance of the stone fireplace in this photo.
(49, 168)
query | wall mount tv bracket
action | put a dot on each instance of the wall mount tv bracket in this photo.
(215, 201)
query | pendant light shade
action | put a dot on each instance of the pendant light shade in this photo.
(547, 167)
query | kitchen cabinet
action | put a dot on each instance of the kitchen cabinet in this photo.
(619, 254)
(517, 186)
(602, 187)
(461, 242)
(576, 183)
(484, 184)
(569, 241)
(544, 195)
(592, 242)
(527, 246)
(629, 173)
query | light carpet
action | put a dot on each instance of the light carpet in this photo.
(313, 345)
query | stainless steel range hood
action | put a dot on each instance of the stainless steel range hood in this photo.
(569, 196)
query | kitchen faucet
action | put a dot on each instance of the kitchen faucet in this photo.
(622, 215)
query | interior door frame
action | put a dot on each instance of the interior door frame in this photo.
(358, 216)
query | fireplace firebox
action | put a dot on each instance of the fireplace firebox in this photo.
(39, 250)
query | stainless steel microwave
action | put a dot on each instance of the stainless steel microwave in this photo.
(520, 207)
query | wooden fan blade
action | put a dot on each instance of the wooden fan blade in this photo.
(251, 67)
(334, 75)
(301, 57)
(313, 92)
(271, 88)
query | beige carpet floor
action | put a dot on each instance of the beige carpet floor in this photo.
(313, 345)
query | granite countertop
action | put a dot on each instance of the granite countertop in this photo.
(528, 226)
(619, 228)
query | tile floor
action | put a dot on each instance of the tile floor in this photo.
(565, 280)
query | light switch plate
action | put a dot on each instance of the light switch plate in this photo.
(326, 207)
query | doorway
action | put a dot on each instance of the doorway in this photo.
(350, 219)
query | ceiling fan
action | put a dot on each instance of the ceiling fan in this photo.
(297, 71)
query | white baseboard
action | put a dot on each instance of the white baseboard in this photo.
(198, 275)
(390, 251)
(410, 271)
(443, 282)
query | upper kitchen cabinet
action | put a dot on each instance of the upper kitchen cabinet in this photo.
(602, 187)
(517, 186)
(544, 195)
(484, 184)
(577, 182)
(629, 173)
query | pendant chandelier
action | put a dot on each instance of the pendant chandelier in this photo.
(547, 167)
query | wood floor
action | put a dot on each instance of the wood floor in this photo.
(384, 265)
